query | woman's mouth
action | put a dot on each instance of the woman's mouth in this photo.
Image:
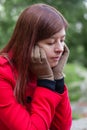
(56, 58)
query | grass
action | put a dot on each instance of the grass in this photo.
(73, 81)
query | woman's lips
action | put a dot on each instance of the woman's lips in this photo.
(56, 58)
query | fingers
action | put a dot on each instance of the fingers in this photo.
(66, 49)
(43, 54)
(38, 54)
(64, 56)
(35, 54)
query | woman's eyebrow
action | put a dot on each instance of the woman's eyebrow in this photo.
(49, 39)
(63, 36)
(53, 37)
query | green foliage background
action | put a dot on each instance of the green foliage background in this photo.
(75, 11)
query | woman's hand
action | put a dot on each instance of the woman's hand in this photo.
(39, 64)
(58, 70)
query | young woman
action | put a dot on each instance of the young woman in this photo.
(33, 95)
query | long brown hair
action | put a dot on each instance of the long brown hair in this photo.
(36, 22)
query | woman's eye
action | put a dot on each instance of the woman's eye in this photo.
(62, 40)
(50, 43)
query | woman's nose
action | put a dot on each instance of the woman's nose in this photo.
(59, 46)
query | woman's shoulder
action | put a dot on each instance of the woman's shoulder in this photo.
(3, 60)
(6, 71)
(4, 64)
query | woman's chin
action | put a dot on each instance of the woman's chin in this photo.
(54, 64)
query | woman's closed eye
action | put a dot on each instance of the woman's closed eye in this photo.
(62, 40)
(50, 43)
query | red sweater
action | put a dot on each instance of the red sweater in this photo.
(46, 110)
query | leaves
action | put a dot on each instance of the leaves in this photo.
(74, 11)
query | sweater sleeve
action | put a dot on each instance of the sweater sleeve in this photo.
(63, 115)
(16, 117)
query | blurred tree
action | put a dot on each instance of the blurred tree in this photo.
(73, 10)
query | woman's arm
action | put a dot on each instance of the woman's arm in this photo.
(63, 116)
(16, 117)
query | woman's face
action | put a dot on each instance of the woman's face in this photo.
(54, 47)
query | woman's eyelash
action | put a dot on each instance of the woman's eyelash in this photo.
(50, 43)
(62, 40)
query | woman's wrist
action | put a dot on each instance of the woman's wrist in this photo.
(56, 85)
(50, 84)
(59, 85)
